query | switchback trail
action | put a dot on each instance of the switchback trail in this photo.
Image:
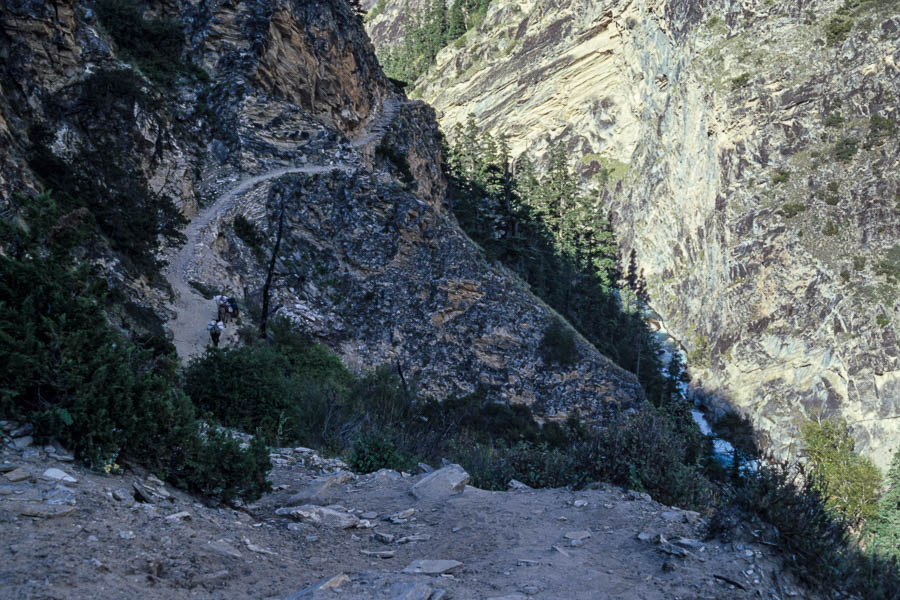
(193, 311)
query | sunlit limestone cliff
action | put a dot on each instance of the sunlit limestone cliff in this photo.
(751, 158)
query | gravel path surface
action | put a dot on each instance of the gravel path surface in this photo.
(192, 310)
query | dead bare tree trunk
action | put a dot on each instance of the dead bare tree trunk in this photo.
(270, 272)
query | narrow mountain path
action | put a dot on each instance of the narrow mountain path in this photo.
(192, 310)
(376, 130)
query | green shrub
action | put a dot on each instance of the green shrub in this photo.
(830, 228)
(739, 82)
(781, 176)
(883, 531)
(831, 196)
(882, 320)
(219, 467)
(845, 149)
(649, 451)
(889, 266)
(837, 29)
(248, 388)
(699, 355)
(79, 380)
(558, 344)
(789, 210)
(376, 10)
(880, 130)
(834, 120)
(849, 482)
(248, 232)
(812, 538)
(373, 452)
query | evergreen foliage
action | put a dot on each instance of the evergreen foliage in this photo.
(82, 382)
(248, 232)
(848, 481)
(559, 240)
(290, 391)
(430, 32)
(884, 528)
(815, 539)
(558, 344)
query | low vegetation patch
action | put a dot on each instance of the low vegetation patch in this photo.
(881, 129)
(739, 82)
(789, 210)
(845, 149)
(83, 383)
(780, 176)
(834, 120)
(889, 266)
(248, 232)
(290, 391)
(558, 344)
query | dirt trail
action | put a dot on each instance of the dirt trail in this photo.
(376, 130)
(91, 538)
(193, 311)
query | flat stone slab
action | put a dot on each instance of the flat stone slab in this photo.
(22, 442)
(432, 567)
(47, 512)
(19, 474)
(444, 482)
(58, 475)
(319, 515)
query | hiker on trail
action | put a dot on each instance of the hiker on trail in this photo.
(215, 331)
(221, 308)
(232, 307)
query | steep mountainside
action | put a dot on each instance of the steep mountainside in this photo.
(371, 262)
(750, 151)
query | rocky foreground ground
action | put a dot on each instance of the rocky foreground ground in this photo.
(325, 532)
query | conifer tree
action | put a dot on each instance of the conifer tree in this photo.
(885, 527)
(456, 25)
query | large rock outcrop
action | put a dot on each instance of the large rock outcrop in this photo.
(753, 151)
(385, 278)
(373, 264)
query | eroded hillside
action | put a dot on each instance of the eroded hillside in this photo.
(372, 263)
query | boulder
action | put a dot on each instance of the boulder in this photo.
(444, 482)
(319, 515)
(322, 491)
(432, 567)
(58, 475)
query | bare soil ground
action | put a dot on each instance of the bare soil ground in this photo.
(93, 539)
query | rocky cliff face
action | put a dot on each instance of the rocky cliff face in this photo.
(371, 264)
(751, 149)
